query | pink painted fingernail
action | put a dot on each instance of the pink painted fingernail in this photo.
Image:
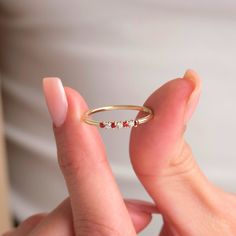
(56, 99)
(144, 206)
(194, 97)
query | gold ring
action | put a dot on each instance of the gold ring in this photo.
(118, 124)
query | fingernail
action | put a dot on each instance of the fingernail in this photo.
(56, 99)
(144, 206)
(194, 97)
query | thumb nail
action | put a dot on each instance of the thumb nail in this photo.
(194, 97)
(56, 99)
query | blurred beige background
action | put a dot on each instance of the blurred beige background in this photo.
(113, 52)
(5, 216)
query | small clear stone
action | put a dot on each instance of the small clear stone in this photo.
(107, 125)
(131, 123)
(119, 124)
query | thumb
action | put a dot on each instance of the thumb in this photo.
(162, 159)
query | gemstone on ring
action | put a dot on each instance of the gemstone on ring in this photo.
(102, 125)
(125, 124)
(131, 123)
(107, 125)
(118, 124)
(113, 124)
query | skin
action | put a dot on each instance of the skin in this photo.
(163, 162)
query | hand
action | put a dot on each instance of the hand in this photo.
(163, 161)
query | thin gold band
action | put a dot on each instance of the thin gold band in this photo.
(118, 124)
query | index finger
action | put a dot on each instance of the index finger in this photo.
(97, 204)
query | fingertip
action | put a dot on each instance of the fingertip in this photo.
(77, 104)
(140, 219)
(50, 78)
(194, 77)
(190, 72)
(50, 83)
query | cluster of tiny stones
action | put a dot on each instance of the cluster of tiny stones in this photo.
(118, 124)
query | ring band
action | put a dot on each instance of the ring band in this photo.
(118, 124)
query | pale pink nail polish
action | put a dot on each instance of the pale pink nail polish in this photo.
(142, 206)
(56, 99)
(194, 97)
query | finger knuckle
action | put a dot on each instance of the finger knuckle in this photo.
(73, 160)
(68, 162)
(182, 164)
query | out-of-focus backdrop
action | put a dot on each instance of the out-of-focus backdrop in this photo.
(113, 52)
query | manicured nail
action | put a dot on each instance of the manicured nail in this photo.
(143, 206)
(56, 99)
(194, 97)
